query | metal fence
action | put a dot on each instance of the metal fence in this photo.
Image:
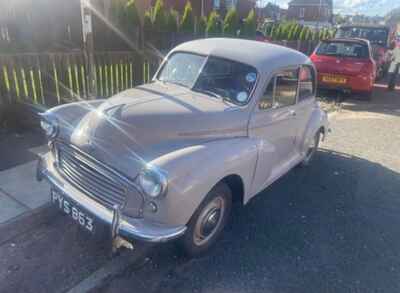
(55, 78)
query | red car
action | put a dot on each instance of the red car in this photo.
(345, 64)
(380, 37)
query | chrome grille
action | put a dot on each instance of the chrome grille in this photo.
(92, 178)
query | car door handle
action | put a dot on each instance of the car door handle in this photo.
(292, 112)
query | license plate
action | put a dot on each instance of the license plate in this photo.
(72, 210)
(334, 79)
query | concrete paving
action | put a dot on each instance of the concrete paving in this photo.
(19, 190)
(10, 208)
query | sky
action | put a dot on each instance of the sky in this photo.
(367, 7)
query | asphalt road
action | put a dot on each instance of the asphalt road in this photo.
(331, 227)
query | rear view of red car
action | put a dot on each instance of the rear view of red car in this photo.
(345, 64)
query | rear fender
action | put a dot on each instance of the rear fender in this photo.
(318, 120)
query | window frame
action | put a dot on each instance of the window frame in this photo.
(302, 12)
(273, 79)
(314, 81)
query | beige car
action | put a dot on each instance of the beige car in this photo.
(221, 121)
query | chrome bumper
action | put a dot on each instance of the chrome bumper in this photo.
(120, 225)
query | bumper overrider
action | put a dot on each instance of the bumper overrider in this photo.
(121, 227)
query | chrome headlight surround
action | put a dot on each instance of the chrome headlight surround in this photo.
(153, 182)
(50, 126)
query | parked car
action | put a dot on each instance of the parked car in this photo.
(379, 36)
(167, 159)
(345, 64)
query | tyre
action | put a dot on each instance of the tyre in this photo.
(312, 149)
(208, 222)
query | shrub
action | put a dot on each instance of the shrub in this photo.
(292, 35)
(231, 23)
(273, 32)
(268, 28)
(187, 24)
(202, 26)
(147, 21)
(213, 24)
(131, 14)
(159, 17)
(249, 25)
(172, 21)
(304, 34)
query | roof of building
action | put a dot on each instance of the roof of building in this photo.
(263, 56)
(311, 2)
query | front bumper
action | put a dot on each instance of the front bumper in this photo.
(120, 225)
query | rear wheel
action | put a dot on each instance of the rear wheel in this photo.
(312, 149)
(208, 222)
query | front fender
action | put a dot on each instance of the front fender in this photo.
(193, 171)
(318, 119)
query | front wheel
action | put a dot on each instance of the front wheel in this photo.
(312, 149)
(208, 222)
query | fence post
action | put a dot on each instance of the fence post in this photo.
(88, 48)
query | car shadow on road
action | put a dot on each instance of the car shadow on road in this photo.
(330, 227)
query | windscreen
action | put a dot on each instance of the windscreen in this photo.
(213, 76)
(343, 49)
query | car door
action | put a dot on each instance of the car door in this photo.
(305, 102)
(273, 124)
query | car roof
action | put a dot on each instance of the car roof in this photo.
(364, 26)
(349, 40)
(265, 57)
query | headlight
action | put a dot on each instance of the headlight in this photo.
(49, 127)
(153, 182)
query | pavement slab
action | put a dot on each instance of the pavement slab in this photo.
(20, 183)
(10, 208)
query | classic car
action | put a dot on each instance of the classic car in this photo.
(345, 64)
(221, 120)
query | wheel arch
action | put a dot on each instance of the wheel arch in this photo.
(236, 185)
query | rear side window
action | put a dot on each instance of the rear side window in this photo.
(286, 88)
(343, 49)
(306, 83)
(281, 90)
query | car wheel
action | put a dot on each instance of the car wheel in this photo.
(208, 221)
(312, 149)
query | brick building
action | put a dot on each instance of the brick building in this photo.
(311, 12)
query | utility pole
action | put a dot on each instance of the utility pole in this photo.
(88, 47)
(202, 8)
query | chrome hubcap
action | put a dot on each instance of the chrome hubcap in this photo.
(209, 221)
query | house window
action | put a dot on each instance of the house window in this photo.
(230, 4)
(217, 4)
(302, 12)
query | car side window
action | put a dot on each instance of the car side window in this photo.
(286, 85)
(306, 84)
(267, 100)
